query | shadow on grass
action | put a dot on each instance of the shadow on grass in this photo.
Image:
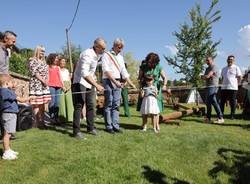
(63, 129)
(157, 177)
(123, 125)
(234, 163)
(192, 118)
(244, 126)
(137, 116)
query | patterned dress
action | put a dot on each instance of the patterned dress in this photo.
(36, 87)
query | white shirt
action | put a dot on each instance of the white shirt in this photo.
(65, 74)
(229, 75)
(117, 69)
(86, 66)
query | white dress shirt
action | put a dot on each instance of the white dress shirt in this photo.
(117, 69)
(229, 75)
(86, 66)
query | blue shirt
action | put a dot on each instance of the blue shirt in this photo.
(8, 101)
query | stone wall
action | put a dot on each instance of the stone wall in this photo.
(22, 88)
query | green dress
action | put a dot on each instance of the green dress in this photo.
(156, 72)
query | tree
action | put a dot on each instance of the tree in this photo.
(75, 53)
(18, 62)
(195, 43)
(132, 66)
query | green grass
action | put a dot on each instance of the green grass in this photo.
(191, 153)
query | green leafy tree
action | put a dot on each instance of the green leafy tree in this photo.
(75, 53)
(132, 66)
(194, 43)
(18, 62)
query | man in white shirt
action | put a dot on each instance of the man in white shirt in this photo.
(113, 68)
(84, 84)
(231, 77)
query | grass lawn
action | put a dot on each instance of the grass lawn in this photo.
(191, 153)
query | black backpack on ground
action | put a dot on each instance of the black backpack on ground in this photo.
(24, 117)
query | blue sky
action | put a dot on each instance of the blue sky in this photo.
(145, 25)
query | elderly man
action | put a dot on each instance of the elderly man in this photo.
(231, 77)
(84, 84)
(8, 40)
(211, 77)
(114, 71)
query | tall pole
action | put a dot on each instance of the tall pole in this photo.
(69, 51)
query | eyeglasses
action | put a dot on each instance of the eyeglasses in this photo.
(43, 51)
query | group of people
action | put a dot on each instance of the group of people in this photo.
(66, 94)
(231, 77)
(51, 83)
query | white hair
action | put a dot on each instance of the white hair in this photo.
(118, 41)
(99, 41)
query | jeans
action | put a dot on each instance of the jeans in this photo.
(88, 98)
(212, 100)
(231, 95)
(112, 96)
(54, 103)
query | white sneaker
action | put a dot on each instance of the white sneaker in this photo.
(144, 129)
(14, 152)
(219, 121)
(8, 155)
(156, 131)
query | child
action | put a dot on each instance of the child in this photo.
(8, 110)
(149, 104)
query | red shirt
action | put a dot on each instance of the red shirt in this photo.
(54, 77)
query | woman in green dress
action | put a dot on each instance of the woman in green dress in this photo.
(151, 65)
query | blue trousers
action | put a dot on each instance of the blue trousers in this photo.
(112, 96)
(212, 101)
(54, 103)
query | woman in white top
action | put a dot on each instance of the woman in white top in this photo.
(66, 107)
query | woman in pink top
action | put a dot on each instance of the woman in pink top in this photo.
(55, 85)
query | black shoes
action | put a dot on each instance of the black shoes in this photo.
(93, 132)
(118, 130)
(79, 135)
(111, 131)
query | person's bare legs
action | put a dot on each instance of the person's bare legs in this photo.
(6, 141)
(157, 123)
(35, 109)
(154, 122)
(144, 122)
